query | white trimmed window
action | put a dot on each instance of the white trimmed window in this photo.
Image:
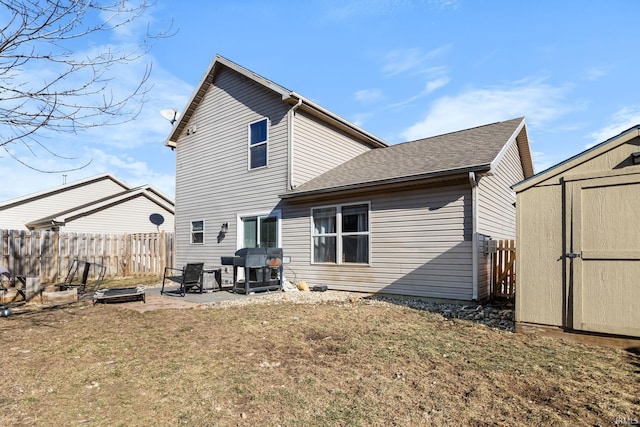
(260, 231)
(258, 143)
(340, 234)
(197, 232)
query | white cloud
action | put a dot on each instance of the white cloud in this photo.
(368, 96)
(436, 84)
(621, 120)
(445, 4)
(413, 59)
(538, 101)
(544, 160)
(595, 73)
(149, 127)
(429, 87)
(134, 20)
(137, 144)
(134, 171)
(341, 9)
(361, 118)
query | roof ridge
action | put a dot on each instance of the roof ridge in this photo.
(463, 130)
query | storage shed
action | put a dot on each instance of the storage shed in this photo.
(578, 241)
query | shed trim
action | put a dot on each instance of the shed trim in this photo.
(579, 158)
(599, 174)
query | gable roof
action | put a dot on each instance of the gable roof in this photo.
(579, 158)
(62, 189)
(472, 150)
(61, 218)
(287, 95)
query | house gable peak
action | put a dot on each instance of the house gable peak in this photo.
(288, 96)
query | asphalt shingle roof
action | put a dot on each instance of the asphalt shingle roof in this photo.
(473, 148)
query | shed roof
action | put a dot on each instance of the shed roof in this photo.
(470, 150)
(287, 95)
(579, 158)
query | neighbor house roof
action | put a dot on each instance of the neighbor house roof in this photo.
(472, 150)
(579, 158)
(61, 218)
(287, 95)
(70, 187)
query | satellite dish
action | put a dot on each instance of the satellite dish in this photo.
(171, 115)
(156, 219)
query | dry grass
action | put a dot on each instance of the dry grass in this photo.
(338, 364)
(123, 282)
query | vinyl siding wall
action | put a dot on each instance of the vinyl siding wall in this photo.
(213, 182)
(420, 245)
(319, 148)
(15, 217)
(130, 216)
(496, 210)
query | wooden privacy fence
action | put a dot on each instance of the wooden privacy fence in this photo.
(504, 269)
(49, 254)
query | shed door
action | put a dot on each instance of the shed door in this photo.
(604, 254)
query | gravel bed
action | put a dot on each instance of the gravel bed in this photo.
(493, 315)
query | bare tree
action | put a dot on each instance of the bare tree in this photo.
(67, 91)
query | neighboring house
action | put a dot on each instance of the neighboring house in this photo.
(258, 164)
(578, 252)
(100, 204)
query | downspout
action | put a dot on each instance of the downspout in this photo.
(291, 113)
(474, 234)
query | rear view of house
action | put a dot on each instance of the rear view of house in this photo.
(260, 165)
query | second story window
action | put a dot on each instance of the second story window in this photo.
(258, 139)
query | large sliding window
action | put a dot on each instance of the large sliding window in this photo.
(258, 144)
(259, 231)
(341, 234)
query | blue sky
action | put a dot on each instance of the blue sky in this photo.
(400, 69)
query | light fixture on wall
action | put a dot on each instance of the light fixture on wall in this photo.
(224, 228)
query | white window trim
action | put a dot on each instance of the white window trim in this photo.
(240, 235)
(338, 234)
(191, 242)
(249, 146)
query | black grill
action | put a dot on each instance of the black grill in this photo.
(262, 269)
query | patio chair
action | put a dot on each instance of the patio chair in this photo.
(79, 276)
(188, 277)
